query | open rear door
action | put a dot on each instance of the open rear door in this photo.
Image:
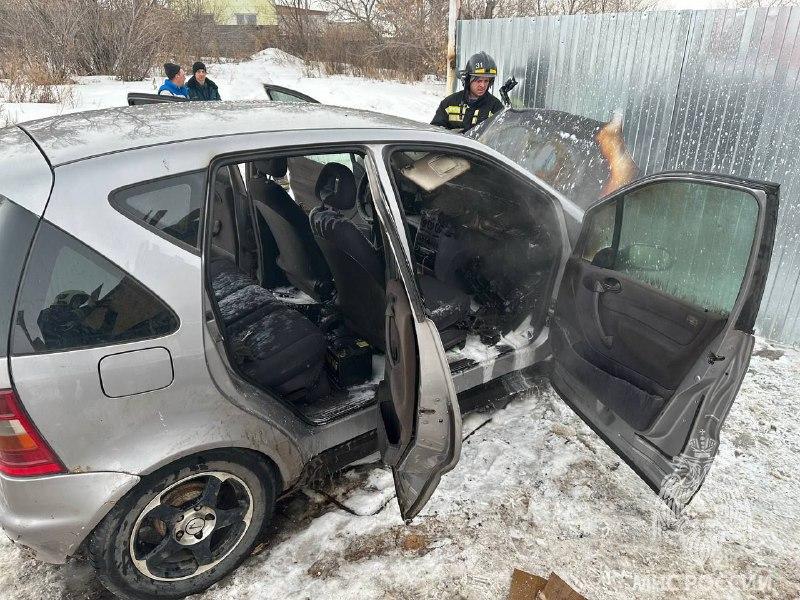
(419, 422)
(653, 325)
(140, 98)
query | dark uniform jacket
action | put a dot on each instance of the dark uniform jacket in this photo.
(455, 112)
(209, 91)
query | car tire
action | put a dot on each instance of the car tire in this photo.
(185, 526)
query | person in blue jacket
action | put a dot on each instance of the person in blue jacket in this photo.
(174, 83)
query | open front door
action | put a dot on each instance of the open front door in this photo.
(653, 325)
(279, 93)
(419, 421)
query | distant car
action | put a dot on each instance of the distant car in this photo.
(202, 305)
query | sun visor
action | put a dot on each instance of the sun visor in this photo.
(434, 170)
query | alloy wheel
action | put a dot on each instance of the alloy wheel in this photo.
(191, 526)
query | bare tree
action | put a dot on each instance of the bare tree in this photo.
(409, 37)
(44, 33)
(300, 31)
(111, 37)
(365, 12)
(487, 9)
(124, 37)
(762, 3)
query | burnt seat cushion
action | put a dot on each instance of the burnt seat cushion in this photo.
(246, 305)
(273, 345)
(445, 304)
(226, 278)
(282, 350)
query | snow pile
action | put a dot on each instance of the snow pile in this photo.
(274, 56)
(535, 489)
(244, 81)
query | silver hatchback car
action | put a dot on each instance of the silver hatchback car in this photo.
(202, 305)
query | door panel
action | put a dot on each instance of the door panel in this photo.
(637, 329)
(653, 323)
(419, 421)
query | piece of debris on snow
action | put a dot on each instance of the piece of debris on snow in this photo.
(525, 586)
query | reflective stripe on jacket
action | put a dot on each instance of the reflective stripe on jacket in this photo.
(455, 112)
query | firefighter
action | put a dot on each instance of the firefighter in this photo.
(475, 103)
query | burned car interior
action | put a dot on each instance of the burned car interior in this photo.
(297, 268)
(484, 234)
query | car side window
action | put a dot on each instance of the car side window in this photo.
(345, 159)
(17, 226)
(71, 297)
(691, 240)
(170, 206)
(284, 97)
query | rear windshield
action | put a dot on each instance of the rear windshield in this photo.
(16, 231)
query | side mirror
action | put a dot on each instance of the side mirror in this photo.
(644, 257)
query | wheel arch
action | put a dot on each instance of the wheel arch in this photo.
(261, 456)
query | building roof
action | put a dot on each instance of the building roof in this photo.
(77, 136)
(286, 9)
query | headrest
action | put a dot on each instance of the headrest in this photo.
(274, 167)
(336, 186)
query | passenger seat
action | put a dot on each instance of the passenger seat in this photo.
(359, 272)
(298, 254)
(274, 345)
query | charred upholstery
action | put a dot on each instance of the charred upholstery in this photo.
(274, 345)
(298, 254)
(353, 259)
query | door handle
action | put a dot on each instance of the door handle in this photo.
(610, 284)
(602, 286)
(392, 334)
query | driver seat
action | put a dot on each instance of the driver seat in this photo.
(298, 254)
(358, 269)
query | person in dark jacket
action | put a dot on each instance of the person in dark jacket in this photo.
(465, 109)
(200, 86)
(173, 84)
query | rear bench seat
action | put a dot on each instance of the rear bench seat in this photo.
(274, 345)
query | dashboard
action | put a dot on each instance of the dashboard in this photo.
(492, 252)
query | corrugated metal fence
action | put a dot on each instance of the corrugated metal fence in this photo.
(713, 91)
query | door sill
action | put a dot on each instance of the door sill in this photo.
(483, 371)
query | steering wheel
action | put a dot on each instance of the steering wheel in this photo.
(364, 200)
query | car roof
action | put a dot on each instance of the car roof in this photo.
(77, 136)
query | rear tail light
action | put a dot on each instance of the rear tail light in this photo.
(23, 451)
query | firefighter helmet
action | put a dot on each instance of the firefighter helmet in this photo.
(480, 65)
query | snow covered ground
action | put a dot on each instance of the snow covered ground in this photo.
(537, 490)
(243, 81)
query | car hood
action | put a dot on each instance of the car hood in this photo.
(582, 158)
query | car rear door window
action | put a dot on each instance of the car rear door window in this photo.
(71, 297)
(689, 240)
(170, 206)
(16, 231)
